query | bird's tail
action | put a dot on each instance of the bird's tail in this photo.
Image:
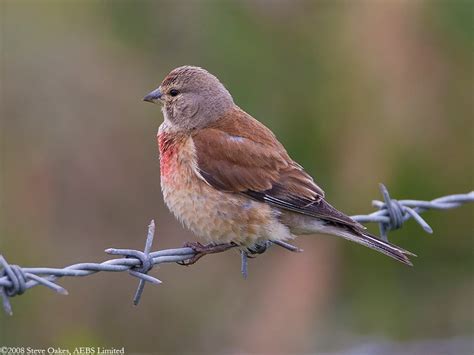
(372, 242)
(300, 224)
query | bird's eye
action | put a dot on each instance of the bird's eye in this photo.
(174, 92)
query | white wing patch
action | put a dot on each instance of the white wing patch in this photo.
(237, 139)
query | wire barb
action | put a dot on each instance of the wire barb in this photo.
(146, 262)
(15, 280)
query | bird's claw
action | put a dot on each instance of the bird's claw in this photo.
(201, 250)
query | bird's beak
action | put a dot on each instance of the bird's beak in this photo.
(153, 96)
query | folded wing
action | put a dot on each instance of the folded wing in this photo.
(239, 154)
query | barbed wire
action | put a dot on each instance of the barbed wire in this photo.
(15, 280)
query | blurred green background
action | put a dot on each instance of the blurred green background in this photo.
(360, 92)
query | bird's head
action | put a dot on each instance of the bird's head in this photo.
(191, 97)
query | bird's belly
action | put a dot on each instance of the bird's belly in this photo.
(217, 216)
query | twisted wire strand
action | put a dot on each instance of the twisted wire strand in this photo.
(15, 280)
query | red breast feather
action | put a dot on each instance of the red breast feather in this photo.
(167, 145)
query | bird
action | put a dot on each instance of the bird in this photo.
(227, 178)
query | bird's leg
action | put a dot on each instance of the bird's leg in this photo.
(202, 250)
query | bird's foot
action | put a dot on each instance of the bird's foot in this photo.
(201, 250)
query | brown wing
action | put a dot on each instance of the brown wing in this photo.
(239, 154)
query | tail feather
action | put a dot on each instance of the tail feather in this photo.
(300, 224)
(372, 242)
(386, 248)
(364, 238)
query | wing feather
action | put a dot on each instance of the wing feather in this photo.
(239, 154)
